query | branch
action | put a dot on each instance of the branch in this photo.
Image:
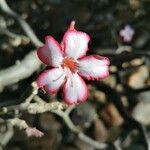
(40, 106)
(27, 101)
(30, 63)
(80, 134)
(22, 38)
(112, 52)
(22, 125)
(5, 134)
(35, 108)
(20, 71)
(24, 25)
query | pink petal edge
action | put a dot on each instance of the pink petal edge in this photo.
(48, 58)
(41, 56)
(105, 62)
(78, 33)
(41, 76)
(69, 102)
(45, 85)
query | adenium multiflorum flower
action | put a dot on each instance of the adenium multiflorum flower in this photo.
(127, 33)
(33, 132)
(69, 63)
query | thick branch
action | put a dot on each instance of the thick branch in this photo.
(20, 71)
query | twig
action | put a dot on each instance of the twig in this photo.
(80, 134)
(38, 99)
(23, 106)
(121, 49)
(34, 108)
(25, 26)
(69, 109)
(131, 91)
(22, 125)
(7, 134)
(112, 52)
(12, 35)
(39, 106)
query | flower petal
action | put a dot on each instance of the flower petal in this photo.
(75, 43)
(94, 67)
(51, 53)
(75, 90)
(51, 80)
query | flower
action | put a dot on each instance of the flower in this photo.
(33, 132)
(69, 63)
(127, 33)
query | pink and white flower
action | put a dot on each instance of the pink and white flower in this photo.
(33, 132)
(69, 63)
(127, 33)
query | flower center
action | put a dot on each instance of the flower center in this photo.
(70, 63)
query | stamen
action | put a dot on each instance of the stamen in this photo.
(70, 63)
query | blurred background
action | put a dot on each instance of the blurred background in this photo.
(118, 109)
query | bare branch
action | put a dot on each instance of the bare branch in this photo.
(30, 63)
(41, 106)
(24, 25)
(22, 125)
(35, 108)
(80, 134)
(22, 38)
(7, 134)
(20, 71)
